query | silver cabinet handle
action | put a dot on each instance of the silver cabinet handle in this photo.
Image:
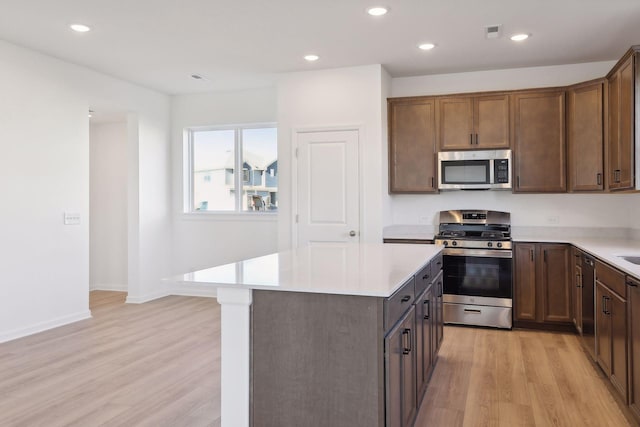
(352, 233)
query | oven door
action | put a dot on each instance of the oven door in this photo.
(478, 273)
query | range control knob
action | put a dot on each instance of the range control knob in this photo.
(499, 244)
(446, 243)
(489, 244)
(454, 243)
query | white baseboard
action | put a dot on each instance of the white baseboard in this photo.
(109, 287)
(43, 326)
(193, 291)
(134, 299)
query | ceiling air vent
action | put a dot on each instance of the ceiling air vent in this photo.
(493, 31)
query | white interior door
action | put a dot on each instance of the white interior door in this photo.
(328, 187)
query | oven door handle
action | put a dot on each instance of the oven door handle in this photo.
(484, 253)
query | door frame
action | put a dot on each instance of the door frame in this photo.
(295, 131)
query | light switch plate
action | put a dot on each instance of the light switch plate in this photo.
(71, 218)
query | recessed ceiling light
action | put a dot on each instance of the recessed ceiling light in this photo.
(79, 28)
(426, 46)
(519, 37)
(311, 58)
(377, 11)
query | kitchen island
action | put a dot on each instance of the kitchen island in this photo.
(304, 333)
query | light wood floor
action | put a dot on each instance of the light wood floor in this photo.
(487, 377)
(157, 364)
(154, 364)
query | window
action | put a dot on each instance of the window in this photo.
(215, 156)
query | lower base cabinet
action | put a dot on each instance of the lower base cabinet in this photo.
(633, 312)
(611, 326)
(542, 284)
(401, 374)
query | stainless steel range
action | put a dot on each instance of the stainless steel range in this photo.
(477, 264)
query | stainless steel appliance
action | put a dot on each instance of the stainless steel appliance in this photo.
(474, 170)
(477, 267)
(588, 305)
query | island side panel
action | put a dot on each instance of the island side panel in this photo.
(317, 360)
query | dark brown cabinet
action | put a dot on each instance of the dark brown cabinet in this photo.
(539, 142)
(438, 325)
(412, 145)
(425, 317)
(478, 122)
(621, 123)
(542, 288)
(585, 136)
(400, 371)
(577, 289)
(611, 326)
(633, 309)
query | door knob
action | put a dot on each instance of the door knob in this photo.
(352, 233)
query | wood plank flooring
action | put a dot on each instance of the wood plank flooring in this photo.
(158, 364)
(487, 377)
(154, 364)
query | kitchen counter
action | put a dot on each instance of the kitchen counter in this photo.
(607, 250)
(330, 280)
(343, 269)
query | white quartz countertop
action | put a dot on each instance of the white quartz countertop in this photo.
(607, 250)
(344, 269)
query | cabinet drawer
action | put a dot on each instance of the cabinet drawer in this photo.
(423, 278)
(612, 278)
(436, 265)
(398, 303)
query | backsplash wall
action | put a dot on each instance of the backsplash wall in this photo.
(527, 210)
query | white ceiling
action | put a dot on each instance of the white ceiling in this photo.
(246, 43)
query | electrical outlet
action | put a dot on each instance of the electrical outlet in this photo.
(71, 218)
(553, 219)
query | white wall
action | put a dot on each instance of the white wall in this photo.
(571, 210)
(108, 206)
(205, 240)
(44, 166)
(343, 97)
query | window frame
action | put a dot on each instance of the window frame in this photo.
(188, 210)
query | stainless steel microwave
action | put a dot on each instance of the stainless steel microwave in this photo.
(474, 170)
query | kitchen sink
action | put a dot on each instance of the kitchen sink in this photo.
(631, 259)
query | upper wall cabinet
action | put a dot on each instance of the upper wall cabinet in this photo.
(585, 135)
(539, 142)
(622, 120)
(476, 122)
(412, 145)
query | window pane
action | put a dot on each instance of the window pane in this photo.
(213, 170)
(260, 169)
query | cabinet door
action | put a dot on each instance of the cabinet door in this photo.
(577, 297)
(491, 121)
(439, 310)
(617, 308)
(525, 282)
(556, 283)
(633, 307)
(585, 134)
(412, 140)
(409, 374)
(400, 372)
(627, 122)
(539, 142)
(603, 328)
(424, 321)
(613, 147)
(455, 120)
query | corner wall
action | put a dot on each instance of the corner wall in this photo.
(44, 166)
(108, 206)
